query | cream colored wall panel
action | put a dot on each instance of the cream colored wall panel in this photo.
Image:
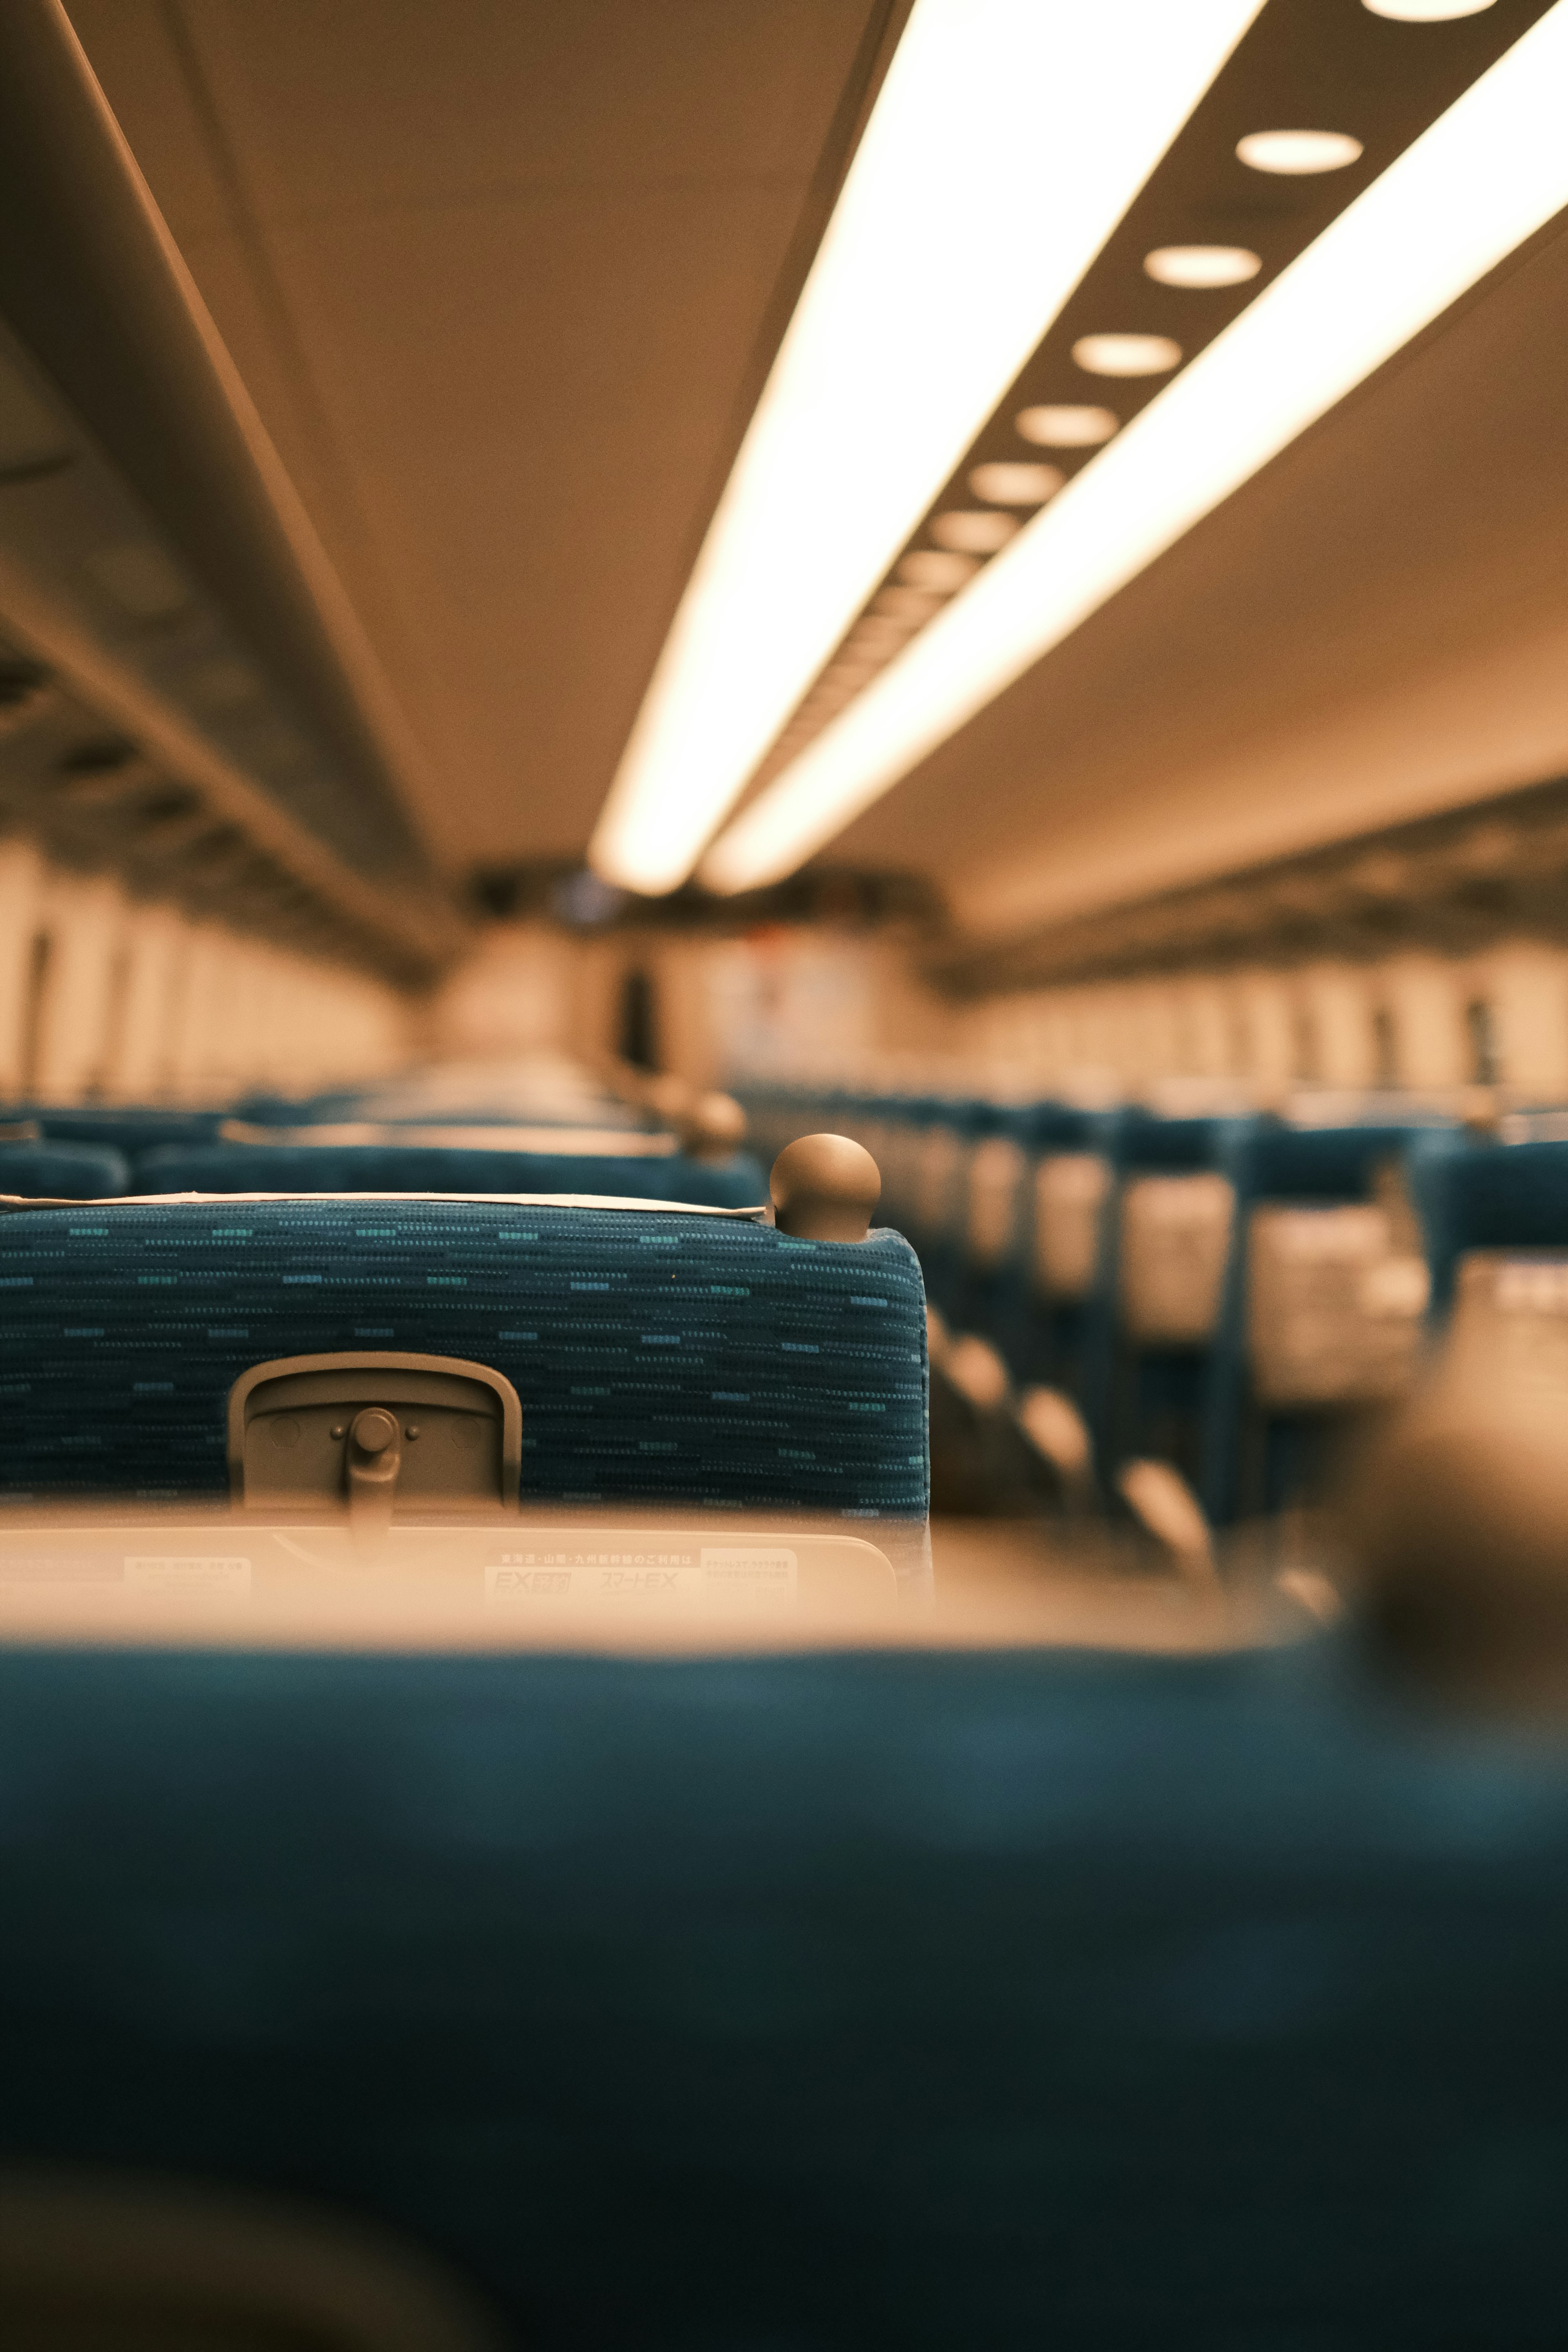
(85, 922)
(1425, 995)
(1337, 1000)
(21, 897)
(138, 1072)
(1528, 988)
(512, 994)
(1268, 1012)
(1208, 1030)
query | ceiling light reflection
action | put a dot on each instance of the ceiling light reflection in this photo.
(1202, 264)
(1297, 154)
(1052, 427)
(1426, 12)
(1126, 354)
(943, 572)
(911, 605)
(1015, 485)
(974, 530)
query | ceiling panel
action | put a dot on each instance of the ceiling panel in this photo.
(1374, 627)
(541, 491)
(501, 281)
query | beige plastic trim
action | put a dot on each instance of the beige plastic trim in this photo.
(15, 1203)
(104, 2257)
(351, 1362)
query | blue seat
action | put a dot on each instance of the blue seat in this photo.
(737, 1182)
(1137, 1397)
(701, 1359)
(131, 1129)
(1315, 1167)
(931, 2001)
(946, 1129)
(1476, 1194)
(427, 1097)
(1038, 1336)
(63, 1171)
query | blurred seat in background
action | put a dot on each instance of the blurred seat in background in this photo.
(64, 1172)
(390, 1167)
(1323, 1313)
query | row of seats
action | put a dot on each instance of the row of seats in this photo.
(921, 1995)
(1200, 1998)
(1231, 1294)
(386, 1142)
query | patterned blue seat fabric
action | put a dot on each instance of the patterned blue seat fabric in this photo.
(922, 2000)
(63, 1171)
(734, 1183)
(659, 1357)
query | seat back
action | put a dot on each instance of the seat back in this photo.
(1010, 1198)
(1044, 1998)
(660, 1357)
(1495, 1217)
(132, 1129)
(737, 1182)
(63, 1171)
(1475, 1195)
(1319, 1317)
(1154, 1303)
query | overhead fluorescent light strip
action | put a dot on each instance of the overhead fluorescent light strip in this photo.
(1009, 138)
(1484, 177)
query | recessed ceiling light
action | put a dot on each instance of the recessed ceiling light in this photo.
(913, 605)
(879, 635)
(1202, 264)
(944, 573)
(1010, 484)
(1297, 153)
(1426, 12)
(1126, 354)
(1065, 427)
(974, 530)
(1479, 181)
(1006, 141)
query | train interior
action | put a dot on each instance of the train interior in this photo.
(784, 1175)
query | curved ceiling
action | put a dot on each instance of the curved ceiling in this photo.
(505, 282)
(1375, 627)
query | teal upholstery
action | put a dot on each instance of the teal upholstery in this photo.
(128, 1128)
(737, 1182)
(658, 1357)
(63, 1171)
(950, 2003)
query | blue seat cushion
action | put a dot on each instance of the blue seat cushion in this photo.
(129, 1129)
(734, 1183)
(913, 2000)
(1472, 1194)
(63, 1171)
(658, 1357)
